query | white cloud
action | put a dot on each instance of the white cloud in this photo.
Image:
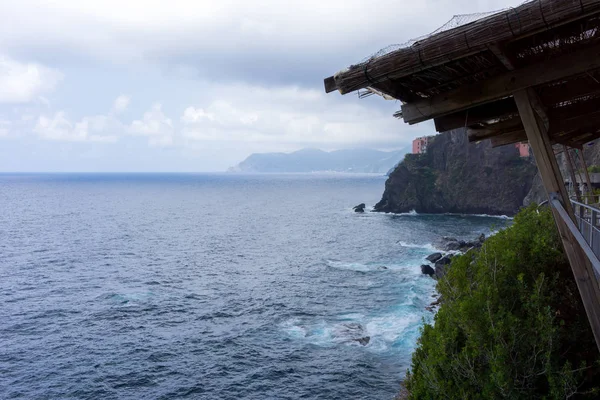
(5, 126)
(143, 29)
(156, 125)
(121, 103)
(25, 82)
(291, 116)
(60, 128)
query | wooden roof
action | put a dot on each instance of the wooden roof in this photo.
(465, 77)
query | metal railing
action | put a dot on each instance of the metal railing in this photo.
(587, 230)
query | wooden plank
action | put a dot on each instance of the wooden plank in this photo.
(571, 168)
(330, 84)
(501, 56)
(590, 188)
(583, 85)
(500, 128)
(509, 138)
(486, 112)
(539, 141)
(396, 91)
(502, 86)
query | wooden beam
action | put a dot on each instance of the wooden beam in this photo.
(539, 141)
(590, 189)
(502, 86)
(500, 128)
(571, 169)
(501, 56)
(330, 84)
(509, 138)
(486, 112)
(394, 90)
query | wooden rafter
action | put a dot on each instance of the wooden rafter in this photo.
(502, 86)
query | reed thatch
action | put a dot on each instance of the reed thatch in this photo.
(435, 77)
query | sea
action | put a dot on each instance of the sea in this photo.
(211, 286)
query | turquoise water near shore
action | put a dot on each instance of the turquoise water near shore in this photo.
(210, 286)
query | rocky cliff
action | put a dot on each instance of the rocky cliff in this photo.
(456, 176)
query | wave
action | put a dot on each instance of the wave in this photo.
(409, 267)
(427, 246)
(393, 330)
(413, 213)
(398, 329)
(506, 217)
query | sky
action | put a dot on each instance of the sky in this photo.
(196, 85)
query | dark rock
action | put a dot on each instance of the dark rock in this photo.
(452, 246)
(441, 265)
(359, 208)
(427, 270)
(382, 267)
(440, 271)
(481, 238)
(459, 177)
(447, 259)
(429, 309)
(353, 326)
(363, 340)
(434, 257)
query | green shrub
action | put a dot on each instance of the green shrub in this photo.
(594, 168)
(511, 324)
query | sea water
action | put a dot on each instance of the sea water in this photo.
(210, 286)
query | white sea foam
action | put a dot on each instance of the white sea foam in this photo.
(426, 246)
(486, 216)
(395, 328)
(385, 331)
(411, 213)
(408, 267)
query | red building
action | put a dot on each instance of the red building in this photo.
(419, 145)
(522, 147)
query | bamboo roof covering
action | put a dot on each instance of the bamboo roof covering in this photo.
(465, 76)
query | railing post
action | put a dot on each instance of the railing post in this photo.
(592, 224)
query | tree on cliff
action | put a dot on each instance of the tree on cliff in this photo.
(511, 324)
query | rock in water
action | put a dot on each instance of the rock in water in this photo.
(363, 340)
(452, 246)
(441, 265)
(447, 259)
(427, 270)
(359, 208)
(434, 257)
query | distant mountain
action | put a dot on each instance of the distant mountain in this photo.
(314, 160)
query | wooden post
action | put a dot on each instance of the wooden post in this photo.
(537, 133)
(571, 169)
(587, 178)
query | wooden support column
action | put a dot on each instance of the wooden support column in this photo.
(571, 168)
(590, 189)
(537, 133)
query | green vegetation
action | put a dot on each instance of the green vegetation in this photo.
(511, 324)
(594, 169)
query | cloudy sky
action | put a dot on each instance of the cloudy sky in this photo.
(157, 85)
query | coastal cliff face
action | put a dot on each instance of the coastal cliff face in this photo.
(455, 176)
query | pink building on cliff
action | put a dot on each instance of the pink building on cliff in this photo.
(522, 147)
(419, 145)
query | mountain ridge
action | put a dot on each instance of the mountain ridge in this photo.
(316, 160)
